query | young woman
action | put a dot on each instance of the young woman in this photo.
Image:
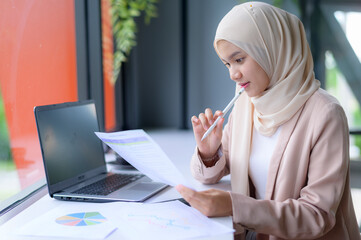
(286, 144)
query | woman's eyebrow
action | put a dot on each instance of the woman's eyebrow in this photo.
(232, 55)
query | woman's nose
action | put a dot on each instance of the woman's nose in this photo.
(235, 74)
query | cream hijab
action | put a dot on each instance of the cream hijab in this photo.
(276, 40)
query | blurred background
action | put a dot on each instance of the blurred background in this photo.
(148, 64)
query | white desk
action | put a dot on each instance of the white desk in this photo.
(178, 145)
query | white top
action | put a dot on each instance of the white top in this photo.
(262, 150)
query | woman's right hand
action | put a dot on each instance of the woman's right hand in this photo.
(209, 146)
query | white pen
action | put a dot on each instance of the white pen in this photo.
(230, 104)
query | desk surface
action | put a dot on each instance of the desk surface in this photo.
(178, 145)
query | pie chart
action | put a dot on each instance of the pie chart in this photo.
(81, 219)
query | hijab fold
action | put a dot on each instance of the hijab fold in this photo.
(276, 40)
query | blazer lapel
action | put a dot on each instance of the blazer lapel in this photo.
(283, 138)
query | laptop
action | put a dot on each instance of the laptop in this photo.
(74, 159)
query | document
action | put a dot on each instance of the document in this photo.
(77, 221)
(125, 220)
(169, 220)
(141, 151)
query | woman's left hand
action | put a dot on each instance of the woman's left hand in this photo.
(212, 202)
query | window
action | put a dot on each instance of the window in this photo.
(37, 67)
(340, 40)
(50, 52)
(338, 84)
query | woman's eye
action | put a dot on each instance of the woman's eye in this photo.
(227, 65)
(239, 60)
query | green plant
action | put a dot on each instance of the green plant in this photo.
(123, 14)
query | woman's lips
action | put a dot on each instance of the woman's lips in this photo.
(244, 85)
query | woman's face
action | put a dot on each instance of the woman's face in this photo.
(243, 69)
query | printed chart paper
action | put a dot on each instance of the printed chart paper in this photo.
(71, 221)
(141, 151)
(169, 220)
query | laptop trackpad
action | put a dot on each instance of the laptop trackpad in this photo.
(146, 186)
(141, 191)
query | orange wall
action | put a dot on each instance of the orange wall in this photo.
(107, 45)
(37, 67)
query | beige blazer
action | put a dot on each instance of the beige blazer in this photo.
(308, 190)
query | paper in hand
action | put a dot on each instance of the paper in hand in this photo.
(141, 151)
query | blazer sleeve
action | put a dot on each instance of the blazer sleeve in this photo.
(211, 175)
(314, 212)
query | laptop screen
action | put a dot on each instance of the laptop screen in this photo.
(69, 146)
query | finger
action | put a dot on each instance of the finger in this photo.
(185, 191)
(202, 117)
(209, 114)
(217, 114)
(219, 128)
(188, 194)
(193, 198)
(196, 199)
(196, 124)
(195, 121)
(197, 128)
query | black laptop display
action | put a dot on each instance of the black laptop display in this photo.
(74, 159)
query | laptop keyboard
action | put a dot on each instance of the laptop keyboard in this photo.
(109, 184)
